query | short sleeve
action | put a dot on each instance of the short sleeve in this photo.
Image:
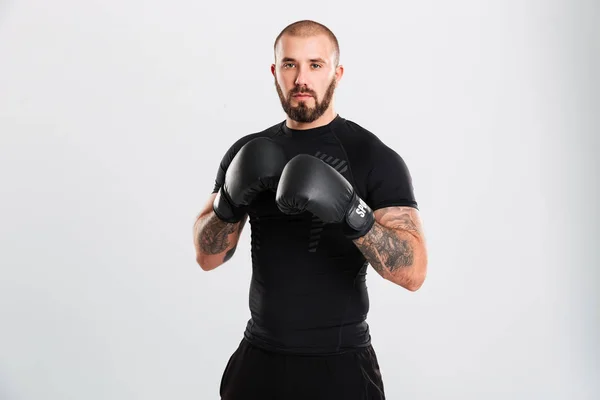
(389, 182)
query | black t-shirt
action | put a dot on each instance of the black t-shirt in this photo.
(308, 292)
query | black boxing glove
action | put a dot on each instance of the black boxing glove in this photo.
(307, 183)
(256, 167)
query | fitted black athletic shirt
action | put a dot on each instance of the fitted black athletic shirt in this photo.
(308, 292)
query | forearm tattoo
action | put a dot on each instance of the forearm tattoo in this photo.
(389, 246)
(213, 236)
(385, 250)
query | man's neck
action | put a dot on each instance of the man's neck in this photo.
(324, 119)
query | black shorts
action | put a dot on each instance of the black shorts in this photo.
(256, 374)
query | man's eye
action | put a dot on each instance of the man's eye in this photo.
(316, 66)
(288, 65)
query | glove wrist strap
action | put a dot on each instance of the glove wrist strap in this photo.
(359, 218)
(225, 210)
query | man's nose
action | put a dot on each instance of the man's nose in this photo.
(301, 77)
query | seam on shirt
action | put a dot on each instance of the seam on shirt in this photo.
(355, 183)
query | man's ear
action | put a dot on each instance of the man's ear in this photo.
(339, 72)
(273, 69)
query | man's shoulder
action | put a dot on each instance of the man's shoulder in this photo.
(355, 134)
(271, 131)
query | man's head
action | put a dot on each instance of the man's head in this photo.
(306, 69)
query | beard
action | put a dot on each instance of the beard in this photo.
(302, 112)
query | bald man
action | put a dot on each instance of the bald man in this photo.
(325, 199)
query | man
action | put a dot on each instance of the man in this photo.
(325, 198)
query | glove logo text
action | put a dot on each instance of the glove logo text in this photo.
(360, 210)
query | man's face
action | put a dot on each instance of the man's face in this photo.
(305, 76)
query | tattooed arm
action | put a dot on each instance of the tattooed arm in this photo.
(215, 241)
(395, 246)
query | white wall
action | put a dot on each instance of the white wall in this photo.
(114, 116)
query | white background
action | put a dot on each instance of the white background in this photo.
(114, 116)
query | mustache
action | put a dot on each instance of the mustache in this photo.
(303, 91)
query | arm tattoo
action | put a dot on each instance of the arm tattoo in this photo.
(390, 245)
(385, 250)
(213, 236)
(402, 221)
